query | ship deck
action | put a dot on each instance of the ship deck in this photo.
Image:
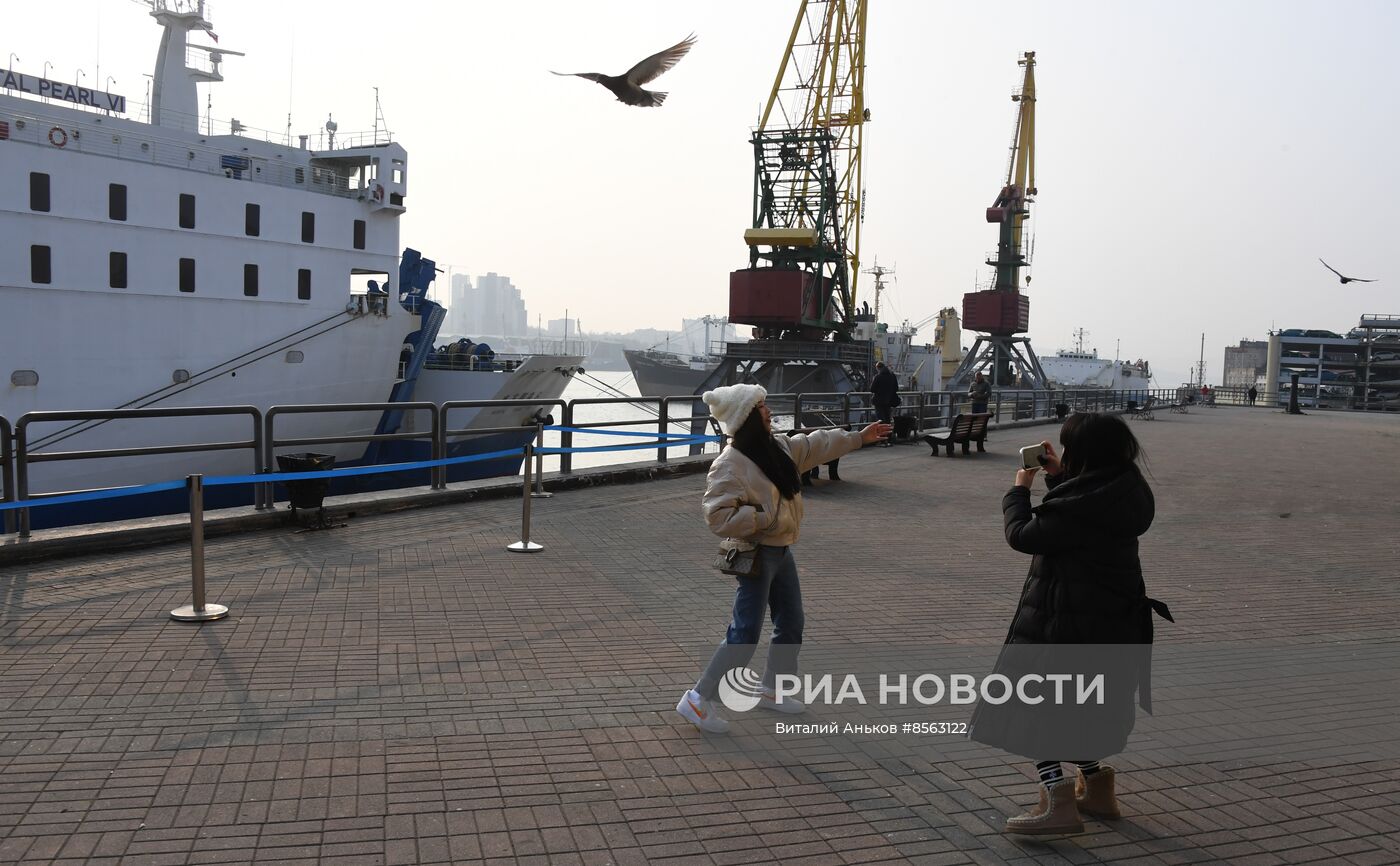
(404, 690)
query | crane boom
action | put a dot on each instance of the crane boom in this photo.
(828, 92)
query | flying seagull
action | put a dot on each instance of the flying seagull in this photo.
(1345, 280)
(627, 87)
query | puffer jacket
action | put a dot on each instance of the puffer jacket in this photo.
(740, 502)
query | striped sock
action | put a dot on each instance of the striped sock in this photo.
(1050, 772)
(1088, 768)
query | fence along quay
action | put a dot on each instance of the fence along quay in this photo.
(660, 416)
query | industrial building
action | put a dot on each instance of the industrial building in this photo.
(1359, 370)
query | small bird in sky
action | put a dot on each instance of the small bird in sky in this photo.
(1345, 280)
(627, 87)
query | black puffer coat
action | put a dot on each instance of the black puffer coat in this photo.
(1085, 587)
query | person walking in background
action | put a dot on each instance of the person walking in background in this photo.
(1253, 394)
(979, 393)
(1085, 587)
(884, 394)
(753, 494)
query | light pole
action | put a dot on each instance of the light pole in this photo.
(13, 58)
(108, 88)
(45, 76)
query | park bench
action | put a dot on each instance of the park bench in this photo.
(965, 429)
(1141, 412)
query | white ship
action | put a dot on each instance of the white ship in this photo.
(1083, 368)
(146, 264)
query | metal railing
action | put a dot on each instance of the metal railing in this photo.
(148, 145)
(23, 459)
(851, 410)
(271, 443)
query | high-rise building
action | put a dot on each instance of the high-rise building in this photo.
(491, 307)
(1244, 363)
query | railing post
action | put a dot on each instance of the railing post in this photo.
(22, 474)
(566, 439)
(663, 418)
(199, 611)
(846, 410)
(7, 472)
(525, 545)
(439, 446)
(539, 492)
(919, 419)
(797, 411)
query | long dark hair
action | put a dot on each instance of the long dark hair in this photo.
(757, 444)
(1091, 441)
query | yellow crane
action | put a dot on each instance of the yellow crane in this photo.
(808, 196)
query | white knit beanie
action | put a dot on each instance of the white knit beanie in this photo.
(732, 404)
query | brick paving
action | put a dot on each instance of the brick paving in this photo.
(404, 691)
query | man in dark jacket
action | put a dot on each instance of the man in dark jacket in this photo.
(884, 393)
(979, 393)
(1083, 610)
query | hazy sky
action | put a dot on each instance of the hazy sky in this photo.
(1194, 158)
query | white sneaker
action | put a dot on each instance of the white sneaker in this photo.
(701, 713)
(790, 705)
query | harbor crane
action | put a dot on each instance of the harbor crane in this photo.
(1001, 314)
(799, 289)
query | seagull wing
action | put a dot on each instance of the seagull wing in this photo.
(1329, 267)
(591, 76)
(1359, 280)
(659, 62)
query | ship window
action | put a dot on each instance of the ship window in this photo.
(252, 220)
(304, 284)
(300, 175)
(308, 227)
(187, 275)
(38, 191)
(116, 201)
(250, 280)
(116, 270)
(359, 234)
(186, 211)
(40, 270)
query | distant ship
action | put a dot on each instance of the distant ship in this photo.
(1081, 368)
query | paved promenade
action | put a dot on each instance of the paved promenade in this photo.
(404, 691)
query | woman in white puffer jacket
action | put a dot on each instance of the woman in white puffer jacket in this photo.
(754, 494)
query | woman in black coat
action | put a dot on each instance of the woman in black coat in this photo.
(1083, 610)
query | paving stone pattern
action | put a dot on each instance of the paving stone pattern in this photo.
(404, 691)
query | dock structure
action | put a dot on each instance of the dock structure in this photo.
(404, 691)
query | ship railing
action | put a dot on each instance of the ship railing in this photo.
(147, 145)
(24, 458)
(460, 361)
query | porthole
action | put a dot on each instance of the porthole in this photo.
(180, 376)
(295, 356)
(24, 378)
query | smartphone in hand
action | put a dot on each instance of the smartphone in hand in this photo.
(1033, 456)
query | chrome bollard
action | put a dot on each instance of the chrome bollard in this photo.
(199, 611)
(525, 545)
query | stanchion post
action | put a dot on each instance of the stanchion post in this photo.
(199, 611)
(525, 545)
(539, 492)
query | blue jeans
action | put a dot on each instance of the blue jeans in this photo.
(775, 589)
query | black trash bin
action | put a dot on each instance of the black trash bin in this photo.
(311, 492)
